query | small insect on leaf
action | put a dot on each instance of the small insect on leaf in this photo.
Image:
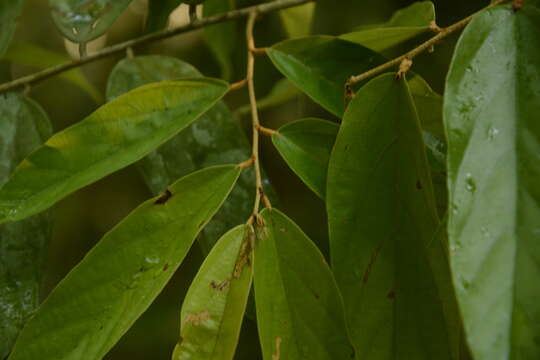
(163, 198)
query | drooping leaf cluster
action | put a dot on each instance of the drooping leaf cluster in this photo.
(433, 201)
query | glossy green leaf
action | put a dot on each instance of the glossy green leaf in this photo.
(159, 12)
(34, 56)
(382, 216)
(406, 24)
(215, 138)
(299, 308)
(297, 20)
(23, 127)
(214, 306)
(99, 300)
(492, 102)
(84, 20)
(221, 38)
(282, 92)
(321, 65)
(116, 135)
(306, 145)
(9, 13)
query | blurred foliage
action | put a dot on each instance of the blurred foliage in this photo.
(82, 218)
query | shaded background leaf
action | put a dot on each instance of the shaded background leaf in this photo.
(24, 126)
(216, 138)
(9, 13)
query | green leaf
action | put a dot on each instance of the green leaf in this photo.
(216, 138)
(214, 306)
(429, 105)
(382, 216)
(297, 20)
(299, 308)
(492, 102)
(9, 13)
(306, 145)
(321, 65)
(84, 20)
(116, 135)
(406, 24)
(159, 12)
(221, 38)
(282, 92)
(98, 301)
(23, 127)
(34, 56)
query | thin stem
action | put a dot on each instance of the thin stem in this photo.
(266, 131)
(255, 122)
(159, 35)
(442, 34)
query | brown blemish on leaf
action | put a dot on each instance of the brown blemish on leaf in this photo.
(220, 286)
(419, 185)
(198, 318)
(391, 295)
(163, 198)
(244, 257)
(165, 267)
(277, 354)
(371, 263)
(283, 230)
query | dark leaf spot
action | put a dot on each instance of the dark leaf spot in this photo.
(391, 295)
(165, 267)
(419, 185)
(163, 198)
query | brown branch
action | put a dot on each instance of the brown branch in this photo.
(442, 34)
(156, 36)
(255, 122)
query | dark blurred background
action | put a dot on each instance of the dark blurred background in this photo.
(82, 218)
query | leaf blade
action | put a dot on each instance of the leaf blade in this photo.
(299, 312)
(382, 215)
(214, 306)
(306, 145)
(117, 134)
(492, 178)
(119, 278)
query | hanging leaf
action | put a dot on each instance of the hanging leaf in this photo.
(221, 38)
(491, 108)
(297, 20)
(282, 92)
(321, 65)
(159, 12)
(23, 127)
(306, 145)
(99, 300)
(34, 56)
(299, 308)
(382, 216)
(216, 138)
(116, 135)
(9, 13)
(214, 306)
(84, 20)
(404, 25)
